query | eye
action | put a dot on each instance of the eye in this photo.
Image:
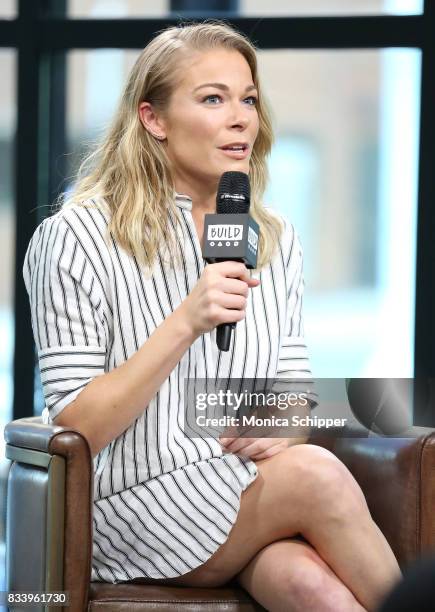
(253, 99)
(211, 96)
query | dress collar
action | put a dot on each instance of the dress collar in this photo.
(183, 201)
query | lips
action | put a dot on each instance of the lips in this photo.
(237, 146)
(235, 154)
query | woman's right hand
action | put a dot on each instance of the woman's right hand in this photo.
(220, 296)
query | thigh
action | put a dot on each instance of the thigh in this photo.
(273, 507)
(270, 509)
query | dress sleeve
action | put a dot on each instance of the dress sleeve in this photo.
(293, 358)
(70, 317)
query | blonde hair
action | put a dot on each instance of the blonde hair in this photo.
(130, 169)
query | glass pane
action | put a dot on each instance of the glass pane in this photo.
(331, 7)
(343, 166)
(7, 241)
(87, 112)
(8, 9)
(98, 9)
(158, 8)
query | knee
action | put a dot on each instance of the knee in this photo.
(309, 588)
(324, 481)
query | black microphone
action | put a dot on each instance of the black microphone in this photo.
(231, 234)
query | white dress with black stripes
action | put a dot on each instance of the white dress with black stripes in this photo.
(163, 502)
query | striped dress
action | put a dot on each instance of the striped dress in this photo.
(164, 502)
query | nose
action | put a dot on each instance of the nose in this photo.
(239, 115)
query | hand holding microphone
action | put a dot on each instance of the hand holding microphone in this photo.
(219, 297)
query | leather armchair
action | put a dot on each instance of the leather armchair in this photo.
(49, 515)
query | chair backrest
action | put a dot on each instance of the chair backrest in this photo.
(48, 510)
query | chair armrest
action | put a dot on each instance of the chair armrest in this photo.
(32, 433)
(396, 476)
(32, 436)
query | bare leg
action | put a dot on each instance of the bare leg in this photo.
(351, 543)
(306, 489)
(289, 576)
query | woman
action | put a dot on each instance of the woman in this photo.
(122, 317)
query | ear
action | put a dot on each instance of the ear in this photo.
(151, 122)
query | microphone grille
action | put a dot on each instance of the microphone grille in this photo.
(233, 194)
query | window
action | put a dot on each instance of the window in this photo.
(103, 9)
(344, 171)
(330, 7)
(8, 9)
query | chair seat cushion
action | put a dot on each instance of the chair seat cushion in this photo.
(124, 597)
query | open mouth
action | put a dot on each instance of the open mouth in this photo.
(237, 148)
(236, 151)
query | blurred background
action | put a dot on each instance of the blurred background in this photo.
(344, 170)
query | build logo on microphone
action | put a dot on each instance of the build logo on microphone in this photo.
(228, 233)
(225, 232)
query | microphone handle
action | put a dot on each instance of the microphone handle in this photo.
(223, 335)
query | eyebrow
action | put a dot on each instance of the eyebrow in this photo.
(222, 86)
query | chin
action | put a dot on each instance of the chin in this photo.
(237, 165)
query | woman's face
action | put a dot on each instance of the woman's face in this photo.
(213, 106)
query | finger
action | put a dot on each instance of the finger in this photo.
(257, 447)
(242, 274)
(272, 448)
(234, 269)
(270, 452)
(225, 450)
(234, 302)
(234, 285)
(230, 315)
(263, 444)
(238, 444)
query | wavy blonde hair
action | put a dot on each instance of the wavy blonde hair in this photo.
(130, 169)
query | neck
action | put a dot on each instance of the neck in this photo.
(204, 207)
(203, 198)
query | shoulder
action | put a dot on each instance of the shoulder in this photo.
(85, 224)
(90, 216)
(76, 227)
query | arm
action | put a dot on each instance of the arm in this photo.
(72, 321)
(293, 368)
(293, 373)
(111, 402)
(293, 354)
